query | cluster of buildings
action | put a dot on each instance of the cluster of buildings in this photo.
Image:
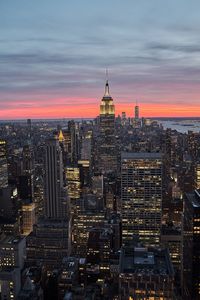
(99, 209)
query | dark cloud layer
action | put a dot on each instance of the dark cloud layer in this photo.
(148, 53)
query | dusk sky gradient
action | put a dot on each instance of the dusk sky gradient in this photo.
(54, 53)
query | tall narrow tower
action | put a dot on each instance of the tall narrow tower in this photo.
(107, 147)
(107, 113)
(3, 165)
(54, 204)
(26, 184)
(136, 112)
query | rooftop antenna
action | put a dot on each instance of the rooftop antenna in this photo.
(107, 85)
(106, 75)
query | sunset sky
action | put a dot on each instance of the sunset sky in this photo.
(54, 53)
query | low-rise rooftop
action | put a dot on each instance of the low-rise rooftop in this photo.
(145, 261)
(141, 155)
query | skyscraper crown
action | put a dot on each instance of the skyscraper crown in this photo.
(107, 106)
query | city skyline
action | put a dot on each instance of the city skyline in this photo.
(54, 55)
(104, 208)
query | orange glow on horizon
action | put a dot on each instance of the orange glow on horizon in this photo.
(88, 110)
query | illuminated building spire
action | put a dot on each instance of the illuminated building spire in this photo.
(107, 106)
(107, 93)
(107, 156)
(60, 136)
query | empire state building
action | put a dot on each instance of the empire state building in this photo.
(107, 106)
(107, 149)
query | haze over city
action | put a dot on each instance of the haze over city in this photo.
(54, 54)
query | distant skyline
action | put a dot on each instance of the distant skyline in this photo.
(53, 57)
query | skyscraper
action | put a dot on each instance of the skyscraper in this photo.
(123, 119)
(55, 206)
(29, 129)
(3, 165)
(73, 180)
(86, 145)
(89, 214)
(136, 112)
(191, 246)
(25, 185)
(141, 196)
(74, 138)
(49, 242)
(197, 175)
(107, 149)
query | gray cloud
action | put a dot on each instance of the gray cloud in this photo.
(187, 48)
(68, 57)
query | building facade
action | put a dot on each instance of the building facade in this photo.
(3, 165)
(145, 273)
(191, 246)
(141, 197)
(55, 202)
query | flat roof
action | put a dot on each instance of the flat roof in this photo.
(170, 230)
(194, 198)
(9, 239)
(141, 155)
(145, 261)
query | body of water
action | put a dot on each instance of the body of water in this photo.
(183, 125)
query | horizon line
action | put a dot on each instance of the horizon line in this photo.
(92, 118)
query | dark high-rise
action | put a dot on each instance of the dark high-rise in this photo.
(25, 186)
(191, 246)
(55, 204)
(49, 241)
(3, 165)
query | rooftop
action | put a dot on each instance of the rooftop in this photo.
(194, 198)
(9, 269)
(145, 261)
(9, 239)
(171, 230)
(141, 155)
(47, 223)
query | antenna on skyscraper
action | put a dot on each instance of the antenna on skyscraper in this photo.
(106, 74)
(107, 85)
